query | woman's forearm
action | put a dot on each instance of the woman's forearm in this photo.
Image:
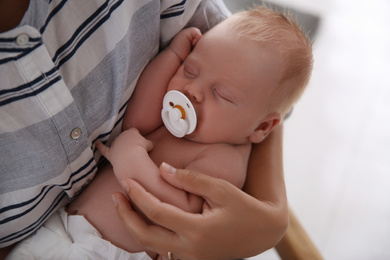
(265, 180)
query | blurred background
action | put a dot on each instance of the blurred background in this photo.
(337, 141)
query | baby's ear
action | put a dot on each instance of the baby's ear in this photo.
(265, 127)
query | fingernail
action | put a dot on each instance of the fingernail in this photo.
(168, 168)
(125, 186)
(114, 200)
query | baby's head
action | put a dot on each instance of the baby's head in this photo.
(244, 75)
(280, 34)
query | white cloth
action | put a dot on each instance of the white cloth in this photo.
(69, 237)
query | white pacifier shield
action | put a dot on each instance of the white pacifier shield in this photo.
(178, 114)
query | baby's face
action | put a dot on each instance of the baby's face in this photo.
(228, 80)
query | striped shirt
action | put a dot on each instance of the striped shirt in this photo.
(66, 74)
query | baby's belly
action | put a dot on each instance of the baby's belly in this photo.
(97, 196)
(96, 205)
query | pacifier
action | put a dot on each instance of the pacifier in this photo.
(178, 114)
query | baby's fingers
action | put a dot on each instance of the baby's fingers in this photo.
(196, 35)
(104, 150)
(149, 145)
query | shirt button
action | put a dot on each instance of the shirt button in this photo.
(75, 134)
(22, 39)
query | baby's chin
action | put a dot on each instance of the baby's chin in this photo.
(193, 138)
(196, 137)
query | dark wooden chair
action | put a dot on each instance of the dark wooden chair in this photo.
(296, 244)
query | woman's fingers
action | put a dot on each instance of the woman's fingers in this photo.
(170, 229)
(229, 216)
(154, 237)
(158, 212)
(148, 145)
(213, 190)
(132, 219)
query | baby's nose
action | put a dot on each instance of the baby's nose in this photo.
(193, 93)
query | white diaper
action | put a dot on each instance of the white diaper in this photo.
(69, 237)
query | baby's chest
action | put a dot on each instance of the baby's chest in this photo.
(177, 152)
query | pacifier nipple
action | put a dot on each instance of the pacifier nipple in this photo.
(178, 114)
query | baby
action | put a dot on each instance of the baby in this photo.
(241, 78)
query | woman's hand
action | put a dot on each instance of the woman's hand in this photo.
(232, 225)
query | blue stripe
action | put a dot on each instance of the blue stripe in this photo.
(174, 10)
(27, 210)
(82, 177)
(32, 93)
(37, 223)
(27, 51)
(8, 39)
(87, 35)
(53, 206)
(102, 136)
(52, 14)
(165, 16)
(16, 50)
(19, 205)
(13, 39)
(27, 85)
(182, 3)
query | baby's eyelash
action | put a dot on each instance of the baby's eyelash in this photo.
(191, 71)
(221, 95)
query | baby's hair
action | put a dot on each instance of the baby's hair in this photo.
(280, 32)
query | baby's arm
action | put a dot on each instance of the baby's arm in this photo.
(129, 157)
(144, 108)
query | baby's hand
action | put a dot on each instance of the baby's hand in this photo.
(132, 137)
(183, 42)
(127, 142)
